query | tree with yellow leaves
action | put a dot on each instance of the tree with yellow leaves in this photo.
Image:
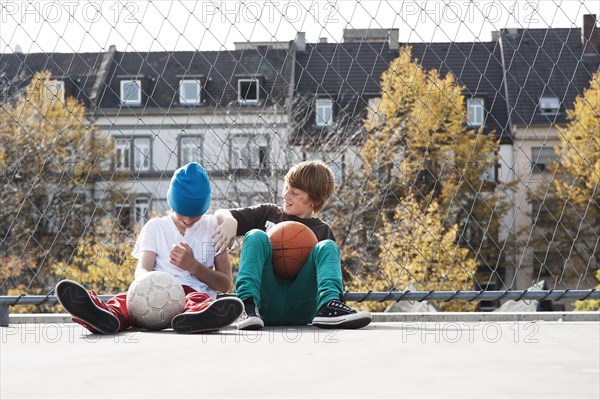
(422, 166)
(571, 201)
(589, 305)
(416, 249)
(50, 160)
(102, 260)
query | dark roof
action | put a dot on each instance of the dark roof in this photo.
(78, 70)
(350, 73)
(544, 62)
(342, 69)
(478, 67)
(219, 71)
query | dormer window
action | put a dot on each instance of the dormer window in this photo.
(55, 91)
(549, 105)
(131, 92)
(324, 112)
(248, 91)
(189, 91)
(475, 111)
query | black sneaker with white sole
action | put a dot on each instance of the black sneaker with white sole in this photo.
(250, 320)
(217, 315)
(337, 315)
(78, 302)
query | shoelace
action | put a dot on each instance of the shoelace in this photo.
(340, 305)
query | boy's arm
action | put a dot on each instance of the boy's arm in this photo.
(223, 266)
(145, 264)
(218, 279)
(225, 231)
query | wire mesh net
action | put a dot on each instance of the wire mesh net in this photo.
(464, 138)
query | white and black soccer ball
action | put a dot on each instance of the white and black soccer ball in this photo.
(154, 299)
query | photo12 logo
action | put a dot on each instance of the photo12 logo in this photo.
(269, 11)
(470, 332)
(468, 12)
(60, 333)
(23, 12)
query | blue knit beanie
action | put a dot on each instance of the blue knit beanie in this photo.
(189, 192)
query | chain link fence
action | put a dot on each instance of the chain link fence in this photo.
(464, 138)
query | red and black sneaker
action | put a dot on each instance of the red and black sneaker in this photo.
(215, 316)
(78, 302)
(337, 315)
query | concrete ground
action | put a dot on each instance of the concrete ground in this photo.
(545, 360)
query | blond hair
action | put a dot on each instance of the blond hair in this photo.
(314, 178)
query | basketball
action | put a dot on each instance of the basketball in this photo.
(291, 243)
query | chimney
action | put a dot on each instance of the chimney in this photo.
(102, 74)
(301, 41)
(323, 40)
(394, 39)
(590, 35)
(390, 36)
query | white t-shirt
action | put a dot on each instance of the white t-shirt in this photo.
(160, 234)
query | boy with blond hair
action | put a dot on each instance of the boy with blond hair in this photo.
(315, 295)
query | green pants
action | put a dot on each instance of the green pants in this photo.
(288, 301)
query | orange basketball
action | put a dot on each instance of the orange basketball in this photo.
(292, 243)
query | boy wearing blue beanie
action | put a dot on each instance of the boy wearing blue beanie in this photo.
(180, 244)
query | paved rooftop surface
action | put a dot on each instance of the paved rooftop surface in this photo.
(545, 360)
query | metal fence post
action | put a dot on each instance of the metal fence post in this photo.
(3, 314)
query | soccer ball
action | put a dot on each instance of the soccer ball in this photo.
(154, 300)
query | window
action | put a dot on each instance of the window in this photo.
(55, 91)
(549, 105)
(190, 149)
(375, 115)
(131, 92)
(475, 111)
(133, 153)
(248, 152)
(541, 159)
(489, 174)
(324, 112)
(248, 90)
(189, 91)
(141, 205)
(122, 154)
(141, 154)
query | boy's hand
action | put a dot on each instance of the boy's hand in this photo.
(224, 235)
(182, 256)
